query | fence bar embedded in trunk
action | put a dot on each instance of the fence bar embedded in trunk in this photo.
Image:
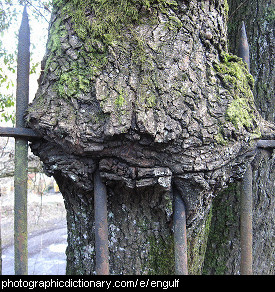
(246, 223)
(19, 133)
(21, 151)
(180, 238)
(101, 226)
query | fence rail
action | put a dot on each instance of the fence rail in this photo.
(19, 133)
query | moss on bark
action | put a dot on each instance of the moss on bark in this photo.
(221, 241)
(141, 98)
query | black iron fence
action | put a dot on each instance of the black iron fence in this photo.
(22, 135)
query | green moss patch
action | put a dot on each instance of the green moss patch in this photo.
(161, 260)
(236, 79)
(98, 25)
(239, 114)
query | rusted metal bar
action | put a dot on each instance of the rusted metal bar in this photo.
(243, 51)
(21, 151)
(266, 144)
(101, 226)
(246, 194)
(246, 223)
(19, 133)
(180, 238)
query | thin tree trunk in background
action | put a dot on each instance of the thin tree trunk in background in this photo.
(258, 16)
(223, 251)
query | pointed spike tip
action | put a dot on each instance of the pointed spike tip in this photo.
(24, 27)
(25, 13)
(243, 31)
(244, 46)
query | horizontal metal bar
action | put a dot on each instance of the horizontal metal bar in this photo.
(19, 133)
(266, 144)
(31, 134)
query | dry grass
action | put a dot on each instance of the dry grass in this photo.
(46, 211)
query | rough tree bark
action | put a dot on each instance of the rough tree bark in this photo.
(146, 92)
(223, 251)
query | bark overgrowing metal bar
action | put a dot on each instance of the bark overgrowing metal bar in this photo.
(101, 226)
(180, 238)
(246, 223)
(266, 144)
(23, 134)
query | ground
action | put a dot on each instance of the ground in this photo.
(46, 228)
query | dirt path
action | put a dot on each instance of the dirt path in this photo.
(46, 253)
(47, 233)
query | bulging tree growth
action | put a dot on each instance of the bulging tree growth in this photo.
(146, 92)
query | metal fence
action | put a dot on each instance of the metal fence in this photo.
(22, 135)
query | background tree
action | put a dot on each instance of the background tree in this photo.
(10, 18)
(146, 92)
(223, 253)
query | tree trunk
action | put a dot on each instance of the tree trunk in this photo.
(146, 92)
(259, 20)
(140, 238)
(223, 251)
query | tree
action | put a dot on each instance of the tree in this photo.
(223, 248)
(10, 17)
(147, 92)
(7, 62)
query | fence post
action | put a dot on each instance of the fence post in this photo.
(101, 226)
(246, 194)
(246, 223)
(21, 151)
(180, 236)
